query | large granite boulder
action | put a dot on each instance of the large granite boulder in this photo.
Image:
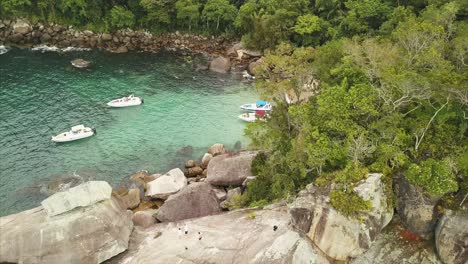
(220, 65)
(230, 170)
(339, 236)
(82, 195)
(198, 199)
(390, 248)
(83, 234)
(206, 159)
(416, 208)
(165, 185)
(130, 199)
(239, 237)
(451, 237)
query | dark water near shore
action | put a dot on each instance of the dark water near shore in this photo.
(41, 95)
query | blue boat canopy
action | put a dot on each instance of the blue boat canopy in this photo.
(261, 103)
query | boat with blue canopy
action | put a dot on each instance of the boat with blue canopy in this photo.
(259, 105)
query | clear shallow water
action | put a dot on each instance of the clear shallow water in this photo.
(41, 95)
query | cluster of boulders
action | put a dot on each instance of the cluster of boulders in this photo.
(23, 33)
(237, 59)
(178, 217)
(204, 188)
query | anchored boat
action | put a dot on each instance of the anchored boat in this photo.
(259, 105)
(126, 101)
(75, 133)
(259, 115)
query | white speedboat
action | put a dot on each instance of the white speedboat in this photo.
(126, 101)
(259, 105)
(75, 133)
(252, 117)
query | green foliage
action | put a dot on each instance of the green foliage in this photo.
(250, 215)
(434, 176)
(13, 7)
(348, 203)
(120, 17)
(188, 11)
(219, 12)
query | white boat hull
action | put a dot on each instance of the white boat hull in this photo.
(252, 117)
(70, 136)
(254, 107)
(125, 103)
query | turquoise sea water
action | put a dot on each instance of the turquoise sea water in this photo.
(41, 95)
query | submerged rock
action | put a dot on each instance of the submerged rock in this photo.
(86, 234)
(220, 65)
(167, 184)
(338, 236)
(80, 63)
(216, 149)
(451, 237)
(239, 237)
(198, 199)
(230, 170)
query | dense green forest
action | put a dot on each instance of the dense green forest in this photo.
(388, 79)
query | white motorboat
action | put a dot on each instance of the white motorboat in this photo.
(126, 101)
(252, 117)
(75, 133)
(259, 105)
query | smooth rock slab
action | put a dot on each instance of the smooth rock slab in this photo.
(80, 196)
(91, 234)
(144, 218)
(238, 237)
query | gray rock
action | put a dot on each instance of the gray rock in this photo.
(220, 65)
(416, 209)
(89, 234)
(131, 200)
(231, 193)
(390, 248)
(170, 183)
(106, 37)
(190, 164)
(338, 236)
(145, 218)
(21, 27)
(80, 196)
(80, 63)
(247, 180)
(121, 49)
(232, 51)
(198, 199)
(252, 66)
(193, 172)
(230, 170)
(217, 149)
(451, 237)
(220, 193)
(206, 159)
(238, 237)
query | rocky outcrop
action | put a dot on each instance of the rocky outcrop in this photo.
(193, 172)
(165, 185)
(252, 65)
(338, 236)
(230, 170)
(82, 195)
(23, 33)
(217, 149)
(220, 65)
(144, 218)
(198, 199)
(130, 199)
(83, 234)
(239, 237)
(221, 194)
(416, 209)
(390, 248)
(190, 164)
(451, 237)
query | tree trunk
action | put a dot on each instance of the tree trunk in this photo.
(217, 24)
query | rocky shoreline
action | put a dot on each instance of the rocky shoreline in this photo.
(225, 54)
(187, 216)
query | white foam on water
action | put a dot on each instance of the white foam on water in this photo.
(45, 48)
(3, 49)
